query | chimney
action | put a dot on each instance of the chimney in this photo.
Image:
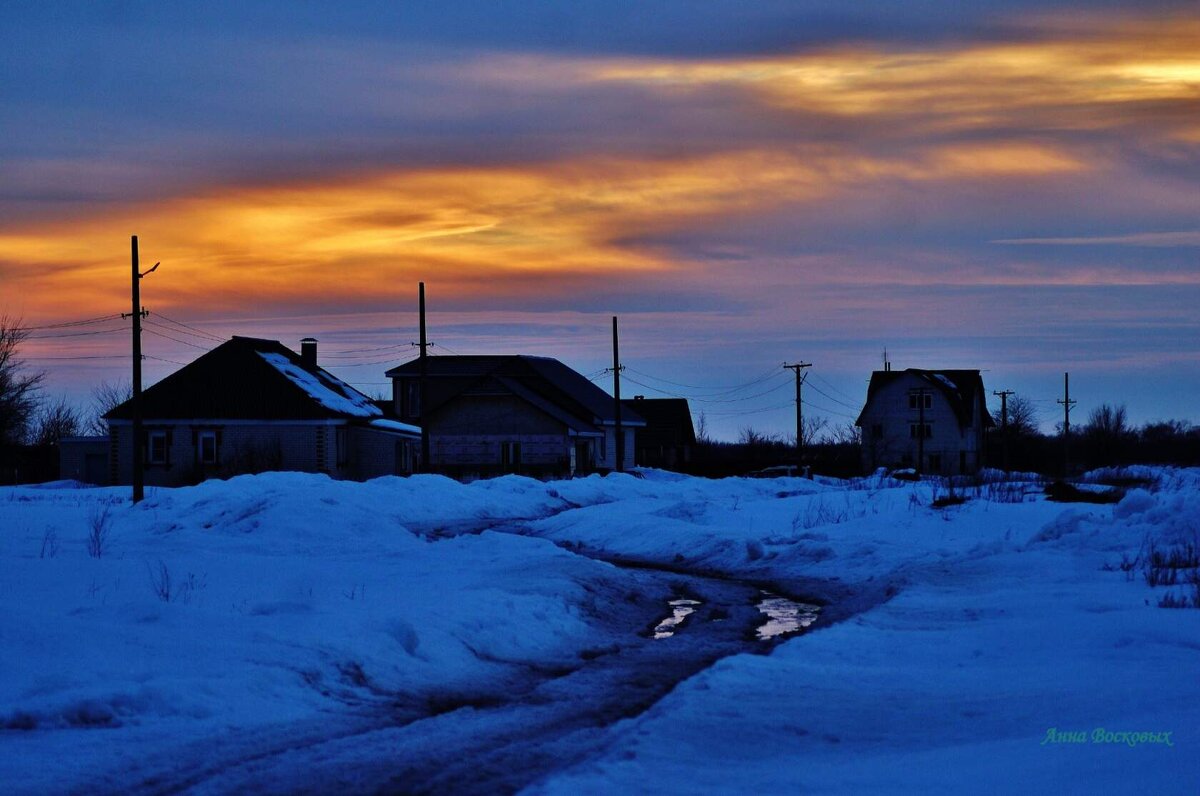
(308, 353)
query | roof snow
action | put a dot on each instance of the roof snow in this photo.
(940, 377)
(330, 392)
(393, 425)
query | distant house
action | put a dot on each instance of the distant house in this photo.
(251, 405)
(668, 438)
(489, 415)
(940, 415)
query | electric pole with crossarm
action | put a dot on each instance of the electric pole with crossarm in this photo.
(798, 369)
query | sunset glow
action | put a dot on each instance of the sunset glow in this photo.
(1018, 196)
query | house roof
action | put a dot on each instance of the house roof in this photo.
(668, 420)
(961, 388)
(544, 381)
(248, 378)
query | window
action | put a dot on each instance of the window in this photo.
(157, 443)
(935, 462)
(915, 400)
(962, 461)
(339, 440)
(914, 431)
(412, 397)
(206, 445)
(877, 431)
(510, 456)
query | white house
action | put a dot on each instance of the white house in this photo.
(931, 420)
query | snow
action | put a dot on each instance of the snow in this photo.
(394, 425)
(953, 642)
(330, 392)
(946, 381)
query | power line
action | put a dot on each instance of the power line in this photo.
(81, 322)
(826, 410)
(77, 334)
(720, 391)
(739, 412)
(835, 400)
(177, 340)
(198, 332)
(710, 400)
(830, 385)
(173, 330)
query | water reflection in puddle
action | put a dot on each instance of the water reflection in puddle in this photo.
(681, 609)
(784, 616)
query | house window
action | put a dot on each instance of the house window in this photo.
(412, 397)
(914, 431)
(962, 461)
(877, 431)
(510, 456)
(157, 443)
(935, 462)
(915, 400)
(339, 437)
(206, 443)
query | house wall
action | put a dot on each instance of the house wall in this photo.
(608, 458)
(374, 453)
(241, 448)
(895, 447)
(458, 447)
(84, 459)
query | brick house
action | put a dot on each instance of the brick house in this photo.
(489, 415)
(932, 420)
(251, 405)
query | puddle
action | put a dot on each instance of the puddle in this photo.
(681, 609)
(784, 616)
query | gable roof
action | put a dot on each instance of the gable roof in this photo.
(668, 420)
(961, 388)
(548, 379)
(247, 378)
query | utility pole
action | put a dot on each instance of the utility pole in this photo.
(421, 385)
(921, 393)
(798, 369)
(1004, 422)
(619, 449)
(138, 312)
(1067, 403)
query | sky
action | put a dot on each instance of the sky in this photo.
(1008, 186)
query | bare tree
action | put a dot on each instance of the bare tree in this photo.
(1107, 421)
(106, 396)
(55, 420)
(1023, 419)
(18, 386)
(702, 435)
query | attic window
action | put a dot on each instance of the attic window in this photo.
(914, 400)
(412, 398)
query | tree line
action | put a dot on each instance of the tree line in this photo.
(32, 422)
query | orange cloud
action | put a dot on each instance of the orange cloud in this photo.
(955, 88)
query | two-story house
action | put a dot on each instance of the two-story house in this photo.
(934, 421)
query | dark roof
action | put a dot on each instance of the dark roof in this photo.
(962, 388)
(548, 379)
(668, 421)
(247, 378)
